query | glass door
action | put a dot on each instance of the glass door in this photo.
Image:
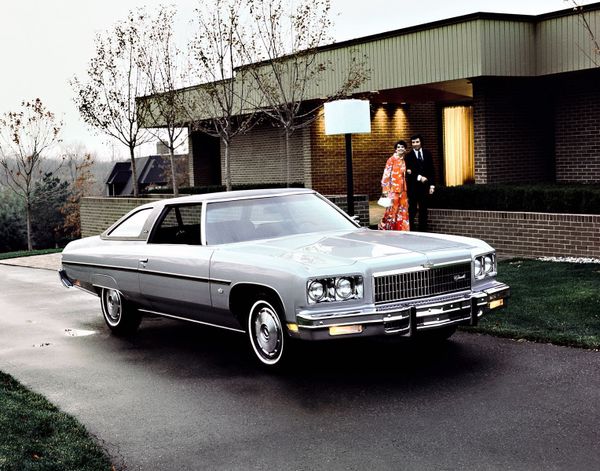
(459, 145)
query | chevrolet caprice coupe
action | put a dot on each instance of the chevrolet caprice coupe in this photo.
(279, 265)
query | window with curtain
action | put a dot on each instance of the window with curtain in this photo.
(459, 145)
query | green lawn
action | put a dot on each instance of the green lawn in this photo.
(34, 435)
(27, 253)
(556, 302)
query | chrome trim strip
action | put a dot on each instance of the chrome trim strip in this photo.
(152, 272)
(319, 317)
(339, 324)
(420, 268)
(174, 275)
(192, 320)
(458, 296)
(101, 265)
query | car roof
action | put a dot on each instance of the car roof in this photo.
(229, 195)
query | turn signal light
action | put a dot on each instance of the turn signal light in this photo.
(496, 303)
(345, 329)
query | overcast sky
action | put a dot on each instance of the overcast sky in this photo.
(43, 43)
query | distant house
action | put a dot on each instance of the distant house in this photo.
(153, 172)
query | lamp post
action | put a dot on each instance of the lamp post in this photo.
(348, 117)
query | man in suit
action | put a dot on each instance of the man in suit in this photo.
(420, 179)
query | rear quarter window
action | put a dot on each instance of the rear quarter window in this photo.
(133, 225)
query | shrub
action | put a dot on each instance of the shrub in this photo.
(540, 198)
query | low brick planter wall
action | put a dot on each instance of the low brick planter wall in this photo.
(512, 234)
(524, 234)
(99, 213)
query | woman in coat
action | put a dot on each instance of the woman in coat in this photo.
(393, 184)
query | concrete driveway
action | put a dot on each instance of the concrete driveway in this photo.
(181, 397)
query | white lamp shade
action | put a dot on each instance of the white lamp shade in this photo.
(347, 117)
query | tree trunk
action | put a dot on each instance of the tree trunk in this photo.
(134, 176)
(28, 218)
(173, 171)
(227, 166)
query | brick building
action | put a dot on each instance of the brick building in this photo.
(496, 97)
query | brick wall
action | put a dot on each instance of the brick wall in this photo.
(577, 132)
(389, 123)
(524, 234)
(361, 206)
(513, 124)
(259, 156)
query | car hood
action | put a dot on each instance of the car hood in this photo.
(363, 245)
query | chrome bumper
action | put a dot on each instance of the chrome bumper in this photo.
(404, 317)
(64, 279)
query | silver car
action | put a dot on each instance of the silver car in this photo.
(278, 265)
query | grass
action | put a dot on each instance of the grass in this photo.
(555, 302)
(37, 436)
(27, 253)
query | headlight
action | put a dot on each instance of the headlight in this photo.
(316, 291)
(488, 264)
(343, 288)
(484, 265)
(478, 267)
(338, 288)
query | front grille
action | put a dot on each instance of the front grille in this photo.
(430, 282)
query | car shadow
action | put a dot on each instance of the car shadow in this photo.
(189, 350)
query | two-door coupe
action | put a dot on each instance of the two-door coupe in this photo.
(281, 264)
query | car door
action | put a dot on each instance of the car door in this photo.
(174, 272)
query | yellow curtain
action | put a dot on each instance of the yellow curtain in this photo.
(459, 145)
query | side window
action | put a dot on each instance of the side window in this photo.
(133, 225)
(179, 225)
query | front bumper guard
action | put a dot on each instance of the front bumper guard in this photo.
(406, 318)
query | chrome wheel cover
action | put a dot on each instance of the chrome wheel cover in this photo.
(112, 305)
(266, 333)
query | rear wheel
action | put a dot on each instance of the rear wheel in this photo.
(266, 333)
(121, 317)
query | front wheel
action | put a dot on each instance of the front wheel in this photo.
(266, 334)
(121, 317)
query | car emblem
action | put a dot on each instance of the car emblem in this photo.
(427, 265)
(459, 277)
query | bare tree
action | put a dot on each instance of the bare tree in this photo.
(80, 170)
(25, 138)
(595, 58)
(287, 35)
(162, 61)
(222, 103)
(106, 96)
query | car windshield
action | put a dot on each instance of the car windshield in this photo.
(267, 217)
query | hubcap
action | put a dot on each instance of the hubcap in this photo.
(113, 305)
(268, 332)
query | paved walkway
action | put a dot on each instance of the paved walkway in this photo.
(47, 262)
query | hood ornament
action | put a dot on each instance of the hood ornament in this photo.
(427, 265)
